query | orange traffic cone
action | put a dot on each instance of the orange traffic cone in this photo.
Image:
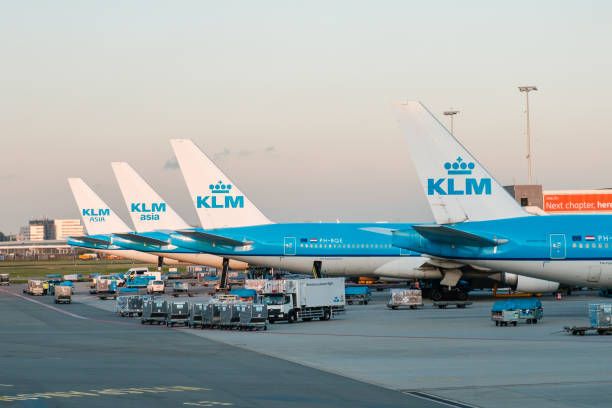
(558, 295)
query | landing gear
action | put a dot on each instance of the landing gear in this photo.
(316, 269)
(224, 278)
(443, 293)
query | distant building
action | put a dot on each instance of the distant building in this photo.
(68, 228)
(562, 201)
(46, 229)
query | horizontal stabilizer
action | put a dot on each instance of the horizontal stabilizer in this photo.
(142, 239)
(91, 240)
(441, 233)
(213, 239)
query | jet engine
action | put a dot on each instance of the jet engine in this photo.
(522, 283)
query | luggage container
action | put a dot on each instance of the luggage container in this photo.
(526, 309)
(35, 287)
(131, 305)
(106, 287)
(412, 298)
(4, 279)
(253, 316)
(195, 315)
(211, 314)
(357, 294)
(63, 294)
(178, 313)
(600, 320)
(121, 305)
(155, 311)
(229, 316)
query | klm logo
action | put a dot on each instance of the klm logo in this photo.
(143, 208)
(459, 185)
(220, 197)
(148, 213)
(96, 214)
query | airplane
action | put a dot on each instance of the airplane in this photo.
(478, 223)
(100, 222)
(154, 220)
(241, 232)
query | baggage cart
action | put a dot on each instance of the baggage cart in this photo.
(600, 320)
(229, 316)
(131, 305)
(4, 279)
(459, 304)
(155, 311)
(253, 316)
(357, 294)
(63, 294)
(528, 310)
(412, 298)
(210, 315)
(195, 315)
(121, 305)
(35, 287)
(178, 313)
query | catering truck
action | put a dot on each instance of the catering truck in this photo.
(305, 299)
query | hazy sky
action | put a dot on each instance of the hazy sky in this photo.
(294, 99)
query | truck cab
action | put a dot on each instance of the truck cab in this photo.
(280, 306)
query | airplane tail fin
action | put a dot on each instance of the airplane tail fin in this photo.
(147, 209)
(97, 217)
(217, 200)
(457, 187)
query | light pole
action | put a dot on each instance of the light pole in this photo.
(528, 89)
(452, 114)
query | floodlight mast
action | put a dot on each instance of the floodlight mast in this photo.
(528, 89)
(452, 114)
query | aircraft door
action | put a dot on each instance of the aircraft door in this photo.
(289, 246)
(557, 246)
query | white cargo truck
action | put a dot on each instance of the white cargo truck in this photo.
(304, 299)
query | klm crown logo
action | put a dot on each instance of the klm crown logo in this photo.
(459, 186)
(216, 201)
(459, 167)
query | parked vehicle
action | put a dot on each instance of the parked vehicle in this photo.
(304, 299)
(63, 294)
(4, 279)
(180, 287)
(156, 286)
(35, 287)
(139, 281)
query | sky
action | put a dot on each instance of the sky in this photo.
(294, 100)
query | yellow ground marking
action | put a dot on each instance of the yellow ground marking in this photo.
(99, 393)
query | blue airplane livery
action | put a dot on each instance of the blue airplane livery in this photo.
(483, 226)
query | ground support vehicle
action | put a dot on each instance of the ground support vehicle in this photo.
(229, 316)
(156, 286)
(505, 317)
(131, 305)
(600, 320)
(179, 287)
(155, 311)
(253, 316)
(106, 288)
(412, 298)
(357, 294)
(195, 315)
(211, 315)
(526, 309)
(35, 287)
(4, 279)
(294, 299)
(457, 303)
(245, 295)
(139, 281)
(63, 294)
(178, 313)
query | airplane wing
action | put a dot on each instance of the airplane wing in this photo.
(91, 240)
(450, 235)
(142, 239)
(213, 239)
